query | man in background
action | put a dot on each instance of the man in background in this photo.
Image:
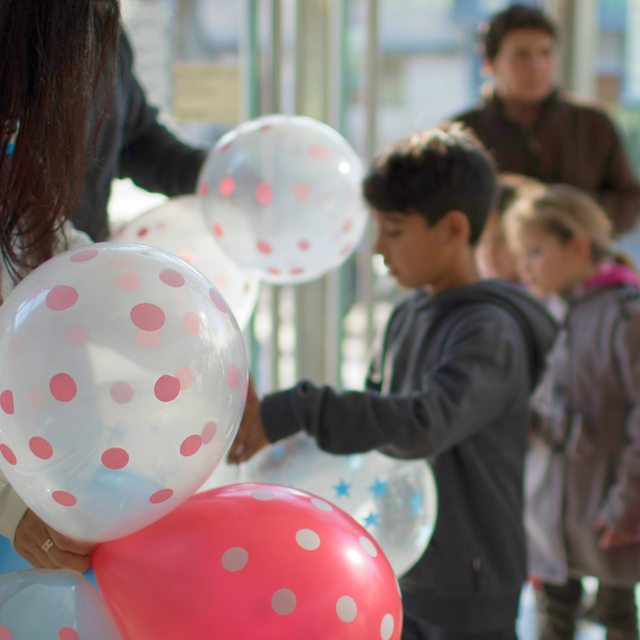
(533, 128)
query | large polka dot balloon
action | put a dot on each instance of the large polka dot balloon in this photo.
(282, 195)
(223, 475)
(52, 604)
(123, 377)
(178, 227)
(251, 561)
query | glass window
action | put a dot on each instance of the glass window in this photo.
(216, 63)
(618, 81)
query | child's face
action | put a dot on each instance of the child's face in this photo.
(414, 252)
(547, 265)
(495, 259)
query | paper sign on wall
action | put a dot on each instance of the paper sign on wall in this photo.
(206, 92)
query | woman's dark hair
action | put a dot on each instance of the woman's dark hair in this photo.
(432, 173)
(515, 17)
(57, 53)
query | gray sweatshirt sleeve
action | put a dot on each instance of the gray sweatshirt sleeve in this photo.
(478, 373)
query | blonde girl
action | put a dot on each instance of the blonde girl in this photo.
(583, 467)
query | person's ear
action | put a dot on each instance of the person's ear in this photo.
(581, 245)
(456, 227)
(377, 248)
(488, 69)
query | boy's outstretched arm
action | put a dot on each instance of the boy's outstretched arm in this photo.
(480, 372)
(251, 436)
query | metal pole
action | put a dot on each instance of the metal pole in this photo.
(337, 62)
(275, 60)
(631, 87)
(584, 30)
(251, 110)
(553, 8)
(335, 279)
(365, 272)
(276, 56)
(371, 79)
(253, 61)
(312, 92)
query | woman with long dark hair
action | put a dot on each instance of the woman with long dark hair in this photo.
(58, 61)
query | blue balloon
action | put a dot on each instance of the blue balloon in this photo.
(11, 561)
(53, 603)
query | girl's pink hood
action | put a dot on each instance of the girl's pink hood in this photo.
(612, 275)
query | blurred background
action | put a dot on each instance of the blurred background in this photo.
(375, 71)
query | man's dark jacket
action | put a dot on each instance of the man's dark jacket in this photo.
(132, 144)
(571, 142)
(451, 385)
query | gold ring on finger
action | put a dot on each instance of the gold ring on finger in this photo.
(47, 545)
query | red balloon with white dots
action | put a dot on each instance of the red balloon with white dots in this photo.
(123, 378)
(251, 561)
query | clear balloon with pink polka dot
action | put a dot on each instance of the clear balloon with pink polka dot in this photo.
(178, 227)
(282, 196)
(53, 603)
(123, 377)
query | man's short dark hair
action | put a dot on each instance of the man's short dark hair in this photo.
(516, 17)
(440, 170)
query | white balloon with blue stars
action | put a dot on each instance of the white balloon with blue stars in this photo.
(395, 500)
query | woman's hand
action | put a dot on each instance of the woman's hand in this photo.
(46, 548)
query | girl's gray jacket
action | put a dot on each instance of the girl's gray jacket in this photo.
(583, 464)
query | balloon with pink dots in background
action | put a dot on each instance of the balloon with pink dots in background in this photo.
(178, 227)
(123, 377)
(282, 195)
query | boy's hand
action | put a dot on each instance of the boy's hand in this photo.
(612, 538)
(251, 436)
(46, 548)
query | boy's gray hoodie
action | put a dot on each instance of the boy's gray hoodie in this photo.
(451, 384)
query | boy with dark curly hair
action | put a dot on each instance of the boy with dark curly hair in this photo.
(451, 384)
